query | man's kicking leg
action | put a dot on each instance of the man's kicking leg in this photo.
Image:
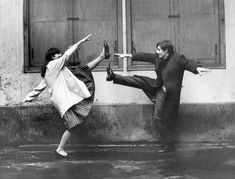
(131, 81)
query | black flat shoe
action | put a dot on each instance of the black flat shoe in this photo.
(106, 50)
(110, 74)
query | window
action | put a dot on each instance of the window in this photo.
(196, 28)
(60, 23)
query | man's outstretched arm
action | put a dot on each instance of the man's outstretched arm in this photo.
(141, 56)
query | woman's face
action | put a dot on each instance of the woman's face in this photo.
(56, 56)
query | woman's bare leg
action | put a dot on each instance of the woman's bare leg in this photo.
(65, 137)
(104, 55)
(96, 61)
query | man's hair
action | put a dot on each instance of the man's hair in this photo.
(166, 44)
(48, 57)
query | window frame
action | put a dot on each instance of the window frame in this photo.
(219, 61)
(27, 41)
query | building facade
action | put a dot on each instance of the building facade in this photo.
(202, 30)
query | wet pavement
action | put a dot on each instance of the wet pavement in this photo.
(120, 161)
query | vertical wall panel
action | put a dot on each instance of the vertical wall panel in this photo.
(199, 29)
(48, 28)
(98, 17)
(150, 24)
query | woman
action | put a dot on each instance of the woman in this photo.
(72, 92)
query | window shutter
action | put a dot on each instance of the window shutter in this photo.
(48, 28)
(100, 19)
(195, 27)
(199, 31)
(150, 24)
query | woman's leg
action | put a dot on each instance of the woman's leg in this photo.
(101, 57)
(65, 137)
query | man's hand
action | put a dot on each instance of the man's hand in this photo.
(119, 55)
(200, 70)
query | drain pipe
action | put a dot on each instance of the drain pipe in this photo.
(124, 35)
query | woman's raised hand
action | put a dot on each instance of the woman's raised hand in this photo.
(87, 38)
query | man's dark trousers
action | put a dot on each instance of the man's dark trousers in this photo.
(156, 95)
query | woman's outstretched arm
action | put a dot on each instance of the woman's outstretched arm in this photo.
(75, 46)
(35, 92)
(59, 63)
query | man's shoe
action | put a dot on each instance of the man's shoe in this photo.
(106, 50)
(168, 148)
(110, 74)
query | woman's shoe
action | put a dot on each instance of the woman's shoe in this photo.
(110, 74)
(61, 153)
(106, 50)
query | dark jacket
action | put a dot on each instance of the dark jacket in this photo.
(170, 73)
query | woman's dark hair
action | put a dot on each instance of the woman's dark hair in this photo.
(166, 44)
(50, 53)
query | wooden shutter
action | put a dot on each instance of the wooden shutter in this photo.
(196, 28)
(98, 17)
(48, 28)
(150, 24)
(199, 31)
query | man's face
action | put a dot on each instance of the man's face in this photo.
(161, 53)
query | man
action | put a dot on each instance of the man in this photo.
(165, 90)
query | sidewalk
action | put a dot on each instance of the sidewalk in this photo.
(120, 161)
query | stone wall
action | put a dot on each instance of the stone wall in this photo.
(116, 123)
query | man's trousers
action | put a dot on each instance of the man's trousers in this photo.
(156, 95)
